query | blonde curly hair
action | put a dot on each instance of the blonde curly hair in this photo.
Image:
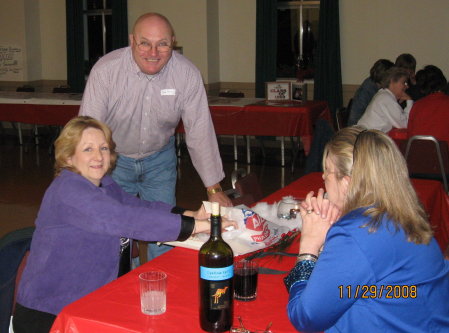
(65, 144)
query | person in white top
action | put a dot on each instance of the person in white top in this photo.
(384, 112)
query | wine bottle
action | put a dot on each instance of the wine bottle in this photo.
(216, 261)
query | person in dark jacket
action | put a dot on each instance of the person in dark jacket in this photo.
(367, 90)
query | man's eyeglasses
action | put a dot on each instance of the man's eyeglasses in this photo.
(145, 46)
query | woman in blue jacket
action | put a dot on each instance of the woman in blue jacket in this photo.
(380, 269)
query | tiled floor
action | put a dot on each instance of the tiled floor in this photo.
(27, 171)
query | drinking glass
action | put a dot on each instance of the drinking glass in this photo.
(285, 206)
(153, 292)
(245, 280)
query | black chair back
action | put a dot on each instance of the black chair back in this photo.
(13, 247)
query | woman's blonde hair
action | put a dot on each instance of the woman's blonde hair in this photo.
(65, 144)
(379, 181)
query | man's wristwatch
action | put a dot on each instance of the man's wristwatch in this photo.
(214, 190)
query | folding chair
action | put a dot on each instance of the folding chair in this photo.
(428, 158)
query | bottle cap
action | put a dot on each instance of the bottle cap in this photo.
(215, 208)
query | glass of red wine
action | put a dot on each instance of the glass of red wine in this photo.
(245, 280)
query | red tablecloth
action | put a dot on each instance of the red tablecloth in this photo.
(430, 192)
(38, 114)
(38, 108)
(116, 307)
(253, 119)
(261, 119)
(398, 134)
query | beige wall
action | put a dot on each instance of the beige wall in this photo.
(213, 42)
(34, 57)
(38, 28)
(219, 35)
(237, 40)
(12, 33)
(53, 39)
(386, 28)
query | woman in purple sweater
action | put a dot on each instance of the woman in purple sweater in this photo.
(81, 225)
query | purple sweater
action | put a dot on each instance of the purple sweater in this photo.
(76, 244)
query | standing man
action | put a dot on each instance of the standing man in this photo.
(141, 92)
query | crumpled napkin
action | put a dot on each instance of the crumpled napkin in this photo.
(258, 225)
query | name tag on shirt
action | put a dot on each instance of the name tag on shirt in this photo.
(168, 92)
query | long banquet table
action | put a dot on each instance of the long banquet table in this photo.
(231, 116)
(116, 308)
(430, 192)
(245, 116)
(38, 108)
(257, 117)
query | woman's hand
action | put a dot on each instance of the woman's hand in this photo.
(404, 97)
(204, 225)
(318, 214)
(320, 205)
(201, 214)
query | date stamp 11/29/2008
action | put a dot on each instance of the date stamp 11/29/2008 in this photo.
(378, 291)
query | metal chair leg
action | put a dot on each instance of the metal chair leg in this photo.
(235, 148)
(248, 149)
(282, 151)
(36, 135)
(19, 130)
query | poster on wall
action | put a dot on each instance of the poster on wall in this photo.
(11, 67)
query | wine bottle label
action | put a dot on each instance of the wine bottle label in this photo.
(217, 274)
(219, 295)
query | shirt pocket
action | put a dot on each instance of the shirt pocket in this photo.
(167, 109)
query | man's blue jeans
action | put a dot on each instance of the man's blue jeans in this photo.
(153, 178)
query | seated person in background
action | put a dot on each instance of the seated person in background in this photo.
(415, 91)
(430, 115)
(408, 62)
(380, 269)
(384, 112)
(84, 214)
(367, 90)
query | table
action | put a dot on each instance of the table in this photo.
(430, 192)
(246, 116)
(231, 116)
(38, 108)
(116, 308)
(262, 118)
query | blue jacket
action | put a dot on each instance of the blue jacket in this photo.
(361, 99)
(373, 282)
(76, 244)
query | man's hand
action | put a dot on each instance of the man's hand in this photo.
(221, 198)
(215, 193)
